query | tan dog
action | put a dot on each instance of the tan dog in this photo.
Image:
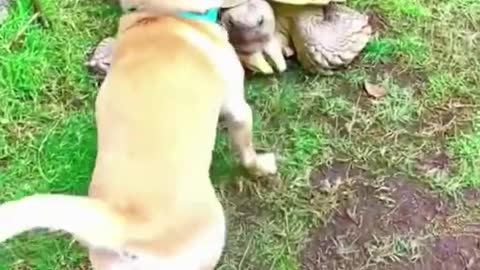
(151, 204)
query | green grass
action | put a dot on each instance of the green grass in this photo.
(428, 60)
(466, 148)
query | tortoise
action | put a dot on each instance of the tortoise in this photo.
(4, 6)
(323, 34)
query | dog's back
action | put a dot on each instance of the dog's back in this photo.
(157, 113)
(168, 6)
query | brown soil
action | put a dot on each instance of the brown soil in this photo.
(452, 253)
(376, 21)
(390, 226)
(472, 197)
(403, 76)
(445, 121)
(329, 179)
(3, 162)
(435, 163)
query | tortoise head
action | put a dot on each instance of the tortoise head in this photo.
(250, 24)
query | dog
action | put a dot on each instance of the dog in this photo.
(150, 203)
(167, 7)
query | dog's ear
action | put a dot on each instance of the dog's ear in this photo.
(129, 19)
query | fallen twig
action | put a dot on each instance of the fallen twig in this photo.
(22, 31)
(37, 8)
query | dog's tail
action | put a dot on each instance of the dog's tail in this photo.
(89, 220)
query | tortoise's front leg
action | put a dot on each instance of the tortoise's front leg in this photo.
(263, 60)
(100, 59)
(331, 37)
(255, 62)
(274, 52)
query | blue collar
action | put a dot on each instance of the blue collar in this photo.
(210, 15)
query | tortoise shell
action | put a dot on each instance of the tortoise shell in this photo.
(233, 3)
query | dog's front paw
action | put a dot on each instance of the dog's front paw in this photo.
(266, 164)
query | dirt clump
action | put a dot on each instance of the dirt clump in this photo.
(471, 197)
(435, 163)
(377, 22)
(330, 178)
(414, 208)
(449, 252)
(403, 77)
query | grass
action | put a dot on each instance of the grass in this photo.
(428, 60)
(393, 249)
(466, 147)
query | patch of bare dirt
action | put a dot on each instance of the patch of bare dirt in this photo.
(434, 164)
(454, 253)
(471, 197)
(329, 178)
(445, 121)
(376, 21)
(339, 124)
(414, 208)
(389, 226)
(403, 76)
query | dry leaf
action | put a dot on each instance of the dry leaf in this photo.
(375, 90)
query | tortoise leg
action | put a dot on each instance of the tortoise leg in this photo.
(256, 62)
(282, 34)
(100, 60)
(330, 37)
(273, 51)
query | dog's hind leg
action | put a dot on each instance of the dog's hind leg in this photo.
(238, 116)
